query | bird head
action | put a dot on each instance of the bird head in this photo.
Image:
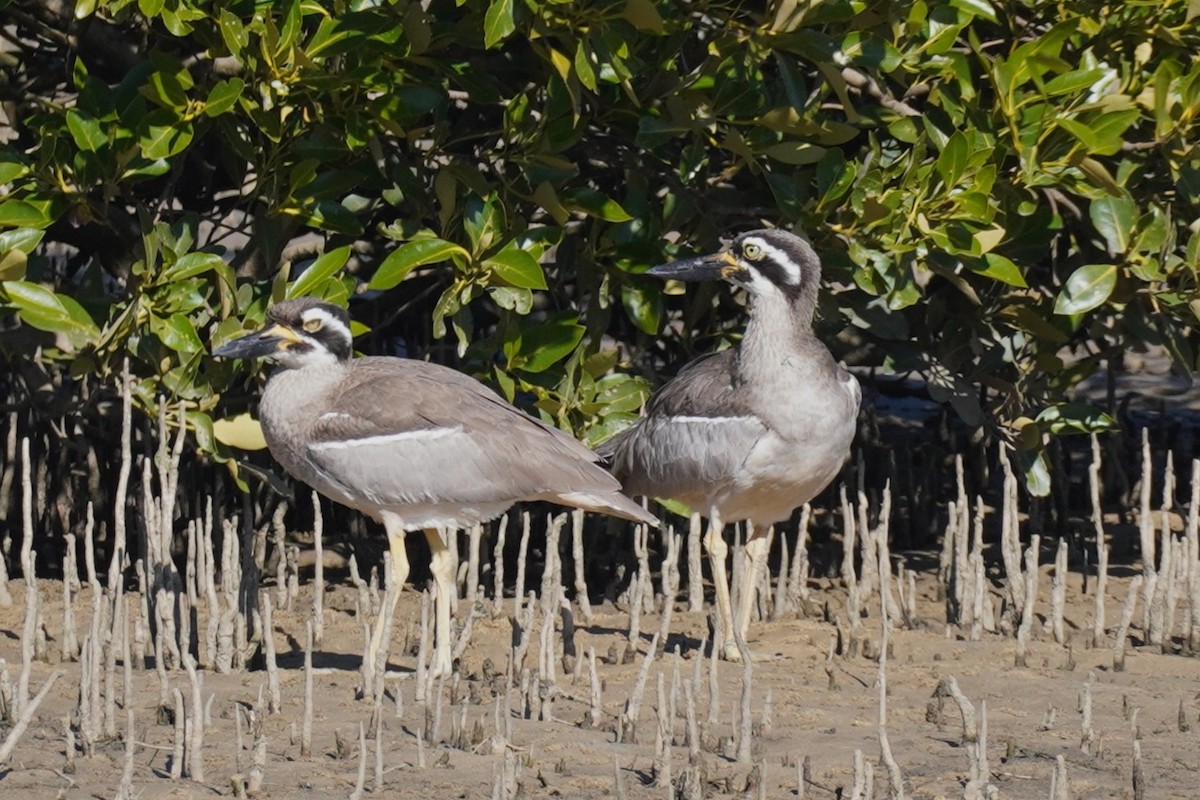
(766, 262)
(300, 332)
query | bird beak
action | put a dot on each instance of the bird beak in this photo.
(703, 268)
(266, 342)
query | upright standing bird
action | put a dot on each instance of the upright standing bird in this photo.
(416, 446)
(754, 431)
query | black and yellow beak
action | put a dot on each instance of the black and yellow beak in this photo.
(713, 267)
(267, 342)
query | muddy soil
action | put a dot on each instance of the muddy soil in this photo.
(820, 711)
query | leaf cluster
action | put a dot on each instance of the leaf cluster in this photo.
(1005, 196)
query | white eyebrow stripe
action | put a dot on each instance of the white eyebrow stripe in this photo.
(330, 321)
(790, 268)
(422, 434)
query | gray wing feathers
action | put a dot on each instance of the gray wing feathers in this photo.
(424, 433)
(694, 434)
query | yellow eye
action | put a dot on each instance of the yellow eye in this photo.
(312, 325)
(752, 251)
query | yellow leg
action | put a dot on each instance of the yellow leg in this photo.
(399, 575)
(718, 551)
(755, 560)
(442, 566)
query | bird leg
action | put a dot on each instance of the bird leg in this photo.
(755, 558)
(442, 566)
(714, 543)
(399, 576)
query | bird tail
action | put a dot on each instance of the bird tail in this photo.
(612, 503)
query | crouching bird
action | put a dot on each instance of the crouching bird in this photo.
(752, 432)
(416, 446)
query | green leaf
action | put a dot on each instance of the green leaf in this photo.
(540, 347)
(20, 214)
(12, 265)
(85, 131)
(23, 239)
(1037, 472)
(498, 22)
(644, 305)
(191, 265)
(595, 204)
(643, 15)
(1086, 289)
(223, 96)
(164, 135)
(407, 257)
(177, 333)
(977, 8)
(1000, 268)
(1099, 175)
(318, 272)
(1075, 418)
(1072, 82)
(43, 309)
(1114, 218)
(517, 268)
(953, 159)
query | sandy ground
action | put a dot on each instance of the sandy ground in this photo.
(564, 758)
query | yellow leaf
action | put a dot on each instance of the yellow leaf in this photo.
(243, 432)
(989, 238)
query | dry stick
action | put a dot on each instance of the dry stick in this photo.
(895, 778)
(69, 646)
(1010, 545)
(306, 725)
(387, 614)
(1060, 789)
(1146, 532)
(662, 738)
(498, 568)
(1139, 777)
(29, 573)
(849, 577)
(378, 786)
(1098, 616)
(361, 781)
(714, 686)
(1030, 594)
(1058, 592)
(858, 790)
(744, 740)
(1131, 597)
(797, 587)
(522, 551)
(115, 565)
(596, 710)
(274, 702)
(1088, 732)
(781, 605)
(627, 723)
(195, 743)
(318, 607)
(1156, 633)
(577, 557)
(1192, 540)
(178, 742)
(26, 717)
(125, 790)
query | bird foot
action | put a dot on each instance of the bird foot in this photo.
(442, 666)
(730, 652)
